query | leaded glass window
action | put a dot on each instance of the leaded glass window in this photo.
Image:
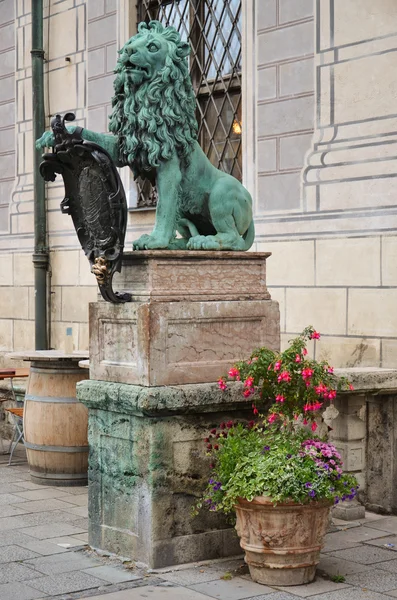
(213, 29)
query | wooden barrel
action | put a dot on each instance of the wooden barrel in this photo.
(55, 424)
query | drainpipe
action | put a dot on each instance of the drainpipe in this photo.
(40, 256)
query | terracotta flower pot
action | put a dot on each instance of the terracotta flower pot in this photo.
(282, 543)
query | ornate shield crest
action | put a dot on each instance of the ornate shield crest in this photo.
(94, 198)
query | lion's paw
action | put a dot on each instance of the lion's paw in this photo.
(203, 242)
(149, 242)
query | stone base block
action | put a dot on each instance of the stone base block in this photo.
(148, 467)
(193, 314)
(349, 511)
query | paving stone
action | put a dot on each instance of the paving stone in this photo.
(18, 591)
(193, 575)
(65, 583)
(318, 586)
(10, 498)
(15, 553)
(388, 524)
(69, 541)
(47, 505)
(392, 593)
(44, 518)
(233, 589)
(12, 511)
(349, 538)
(9, 488)
(76, 490)
(52, 530)
(79, 511)
(78, 500)
(371, 516)
(80, 522)
(376, 580)
(389, 565)
(389, 542)
(366, 555)
(42, 494)
(29, 485)
(8, 523)
(276, 596)
(111, 574)
(41, 547)
(10, 573)
(61, 563)
(336, 566)
(348, 594)
(156, 593)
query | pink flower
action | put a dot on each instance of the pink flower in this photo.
(321, 389)
(277, 365)
(222, 384)
(249, 382)
(247, 393)
(314, 426)
(315, 335)
(307, 373)
(272, 418)
(304, 352)
(255, 411)
(284, 376)
(234, 373)
(351, 387)
(317, 405)
(331, 395)
(298, 359)
(307, 407)
(330, 370)
(280, 398)
(305, 421)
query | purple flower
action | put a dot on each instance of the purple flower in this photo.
(211, 481)
(336, 499)
(289, 455)
(312, 493)
(265, 449)
(217, 486)
(308, 484)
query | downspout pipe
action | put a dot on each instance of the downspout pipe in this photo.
(41, 254)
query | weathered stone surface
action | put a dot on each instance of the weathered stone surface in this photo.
(176, 276)
(148, 466)
(193, 314)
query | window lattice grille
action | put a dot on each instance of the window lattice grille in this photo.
(213, 29)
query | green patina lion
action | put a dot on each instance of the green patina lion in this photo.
(155, 133)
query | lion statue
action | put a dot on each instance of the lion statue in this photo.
(154, 132)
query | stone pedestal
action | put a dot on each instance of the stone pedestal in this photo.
(193, 314)
(152, 398)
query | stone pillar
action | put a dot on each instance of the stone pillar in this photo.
(364, 433)
(152, 398)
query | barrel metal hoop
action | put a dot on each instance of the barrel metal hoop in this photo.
(55, 371)
(52, 399)
(39, 475)
(43, 448)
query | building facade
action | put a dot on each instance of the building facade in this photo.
(297, 98)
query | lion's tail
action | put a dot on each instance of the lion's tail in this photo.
(249, 236)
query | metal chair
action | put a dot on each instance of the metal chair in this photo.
(17, 437)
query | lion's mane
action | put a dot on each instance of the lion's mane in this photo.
(156, 118)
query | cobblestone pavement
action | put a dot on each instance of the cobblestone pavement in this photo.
(44, 555)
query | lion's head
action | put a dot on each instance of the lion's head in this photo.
(154, 103)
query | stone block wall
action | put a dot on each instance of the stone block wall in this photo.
(326, 202)
(7, 107)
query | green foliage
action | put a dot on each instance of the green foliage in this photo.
(295, 384)
(338, 578)
(275, 455)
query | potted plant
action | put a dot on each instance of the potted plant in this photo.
(279, 477)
